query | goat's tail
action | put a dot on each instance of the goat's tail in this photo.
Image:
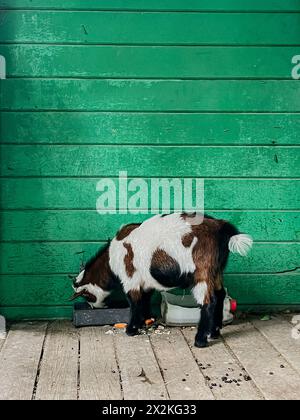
(238, 243)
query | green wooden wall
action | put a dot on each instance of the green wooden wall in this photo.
(182, 88)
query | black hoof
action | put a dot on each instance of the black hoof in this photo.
(201, 344)
(132, 331)
(215, 335)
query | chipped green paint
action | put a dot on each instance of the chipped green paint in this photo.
(85, 98)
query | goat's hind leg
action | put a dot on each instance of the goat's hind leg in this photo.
(218, 313)
(200, 292)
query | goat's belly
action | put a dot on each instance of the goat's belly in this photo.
(171, 278)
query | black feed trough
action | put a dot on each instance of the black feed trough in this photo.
(85, 316)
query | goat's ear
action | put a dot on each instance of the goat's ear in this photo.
(76, 295)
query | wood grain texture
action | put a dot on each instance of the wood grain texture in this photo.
(147, 62)
(69, 225)
(105, 161)
(177, 5)
(279, 332)
(80, 193)
(48, 290)
(58, 370)
(140, 374)
(95, 87)
(150, 28)
(151, 95)
(182, 377)
(18, 313)
(66, 257)
(263, 362)
(149, 128)
(216, 363)
(99, 374)
(20, 359)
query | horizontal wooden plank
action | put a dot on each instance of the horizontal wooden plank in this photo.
(267, 289)
(150, 28)
(50, 225)
(79, 193)
(193, 5)
(17, 313)
(150, 95)
(107, 161)
(148, 128)
(55, 290)
(147, 62)
(60, 257)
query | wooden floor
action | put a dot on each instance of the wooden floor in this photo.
(255, 359)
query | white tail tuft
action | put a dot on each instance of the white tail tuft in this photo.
(240, 244)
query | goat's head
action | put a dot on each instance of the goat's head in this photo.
(91, 282)
(82, 287)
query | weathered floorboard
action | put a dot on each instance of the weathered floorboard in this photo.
(279, 332)
(263, 362)
(99, 375)
(19, 360)
(58, 371)
(183, 379)
(224, 375)
(140, 374)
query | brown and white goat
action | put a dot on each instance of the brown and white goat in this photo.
(164, 252)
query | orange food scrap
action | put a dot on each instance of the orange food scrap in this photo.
(149, 321)
(120, 325)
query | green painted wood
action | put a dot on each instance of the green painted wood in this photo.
(18, 313)
(66, 257)
(55, 290)
(61, 155)
(283, 289)
(150, 28)
(60, 312)
(148, 62)
(177, 5)
(152, 128)
(46, 160)
(89, 226)
(220, 194)
(150, 95)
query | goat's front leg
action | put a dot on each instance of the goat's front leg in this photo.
(146, 304)
(136, 312)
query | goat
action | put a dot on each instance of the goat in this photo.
(164, 252)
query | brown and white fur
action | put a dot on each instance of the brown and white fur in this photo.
(164, 252)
